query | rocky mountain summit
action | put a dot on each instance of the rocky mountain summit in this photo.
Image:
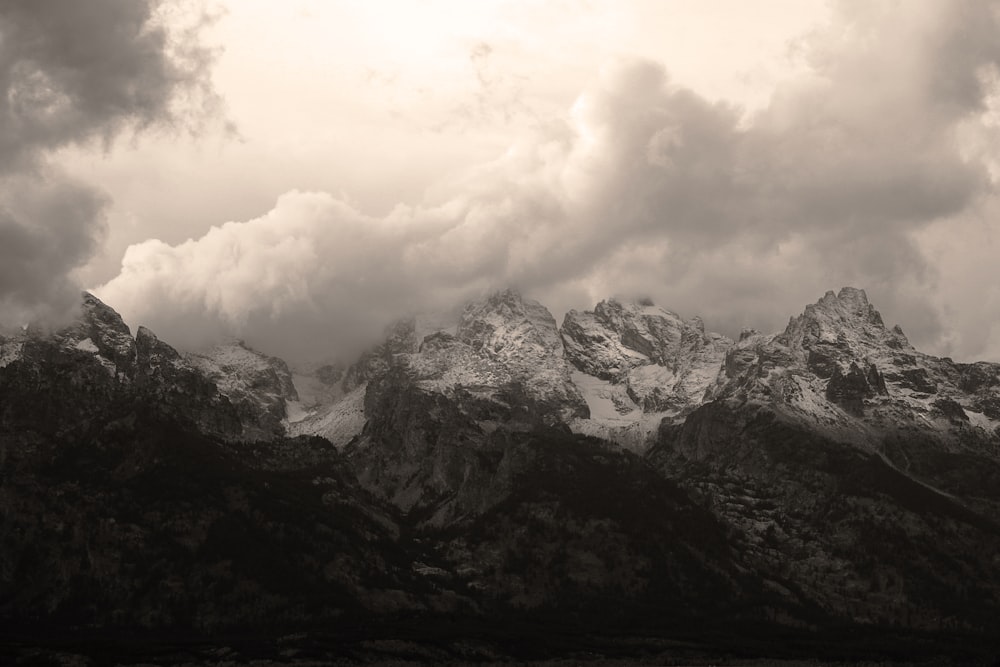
(664, 363)
(626, 472)
(638, 364)
(838, 370)
(98, 350)
(259, 387)
(852, 465)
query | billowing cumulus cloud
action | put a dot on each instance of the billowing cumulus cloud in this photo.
(643, 187)
(71, 73)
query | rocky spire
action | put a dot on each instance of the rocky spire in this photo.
(845, 321)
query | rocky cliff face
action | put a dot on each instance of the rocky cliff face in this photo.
(166, 379)
(431, 409)
(838, 370)
(638, 364)
(98, 331)
(115, 368)
(856, 470)
(257, 385)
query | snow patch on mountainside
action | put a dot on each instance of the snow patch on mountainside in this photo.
(86, 345)
(614, 415)
(339, 423)
(662, 364)
(982, 422)
(605, 400)
(10, 351)
(295, 412)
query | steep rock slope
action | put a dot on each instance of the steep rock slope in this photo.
(97, 330)
(838, 371)
(638, 364)
(333, 397)
(849, 470)
(95, 363)
(258, 386)
(564, 522)
(164, 378)
(518, 337)
(430, 409)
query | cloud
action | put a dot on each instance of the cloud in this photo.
(643, 187)
(44, 223)
(75, 73)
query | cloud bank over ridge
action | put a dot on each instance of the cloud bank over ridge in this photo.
(865, 171)
(74, 73)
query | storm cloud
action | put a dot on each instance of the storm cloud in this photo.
(644, 187)
(74, 73)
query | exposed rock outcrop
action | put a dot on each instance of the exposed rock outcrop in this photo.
(258, 386)
(430, 410)
(650, 362)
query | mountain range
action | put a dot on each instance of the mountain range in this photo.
(494, 485)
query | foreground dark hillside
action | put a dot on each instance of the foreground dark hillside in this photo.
(160, 544)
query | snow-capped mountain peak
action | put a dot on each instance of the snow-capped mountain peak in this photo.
(645, 361)
(846, 322)
(507, 326)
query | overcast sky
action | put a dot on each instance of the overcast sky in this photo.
(297, 172)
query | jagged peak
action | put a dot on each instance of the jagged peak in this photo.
(846, 318)
(90, 301)
(94, 311)
(621, 314)
(848, 303)
(99, 326)
(235, 356)
(849, 307)
(144, 336)
(507, 314)
(848, 293)
(508, 300)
